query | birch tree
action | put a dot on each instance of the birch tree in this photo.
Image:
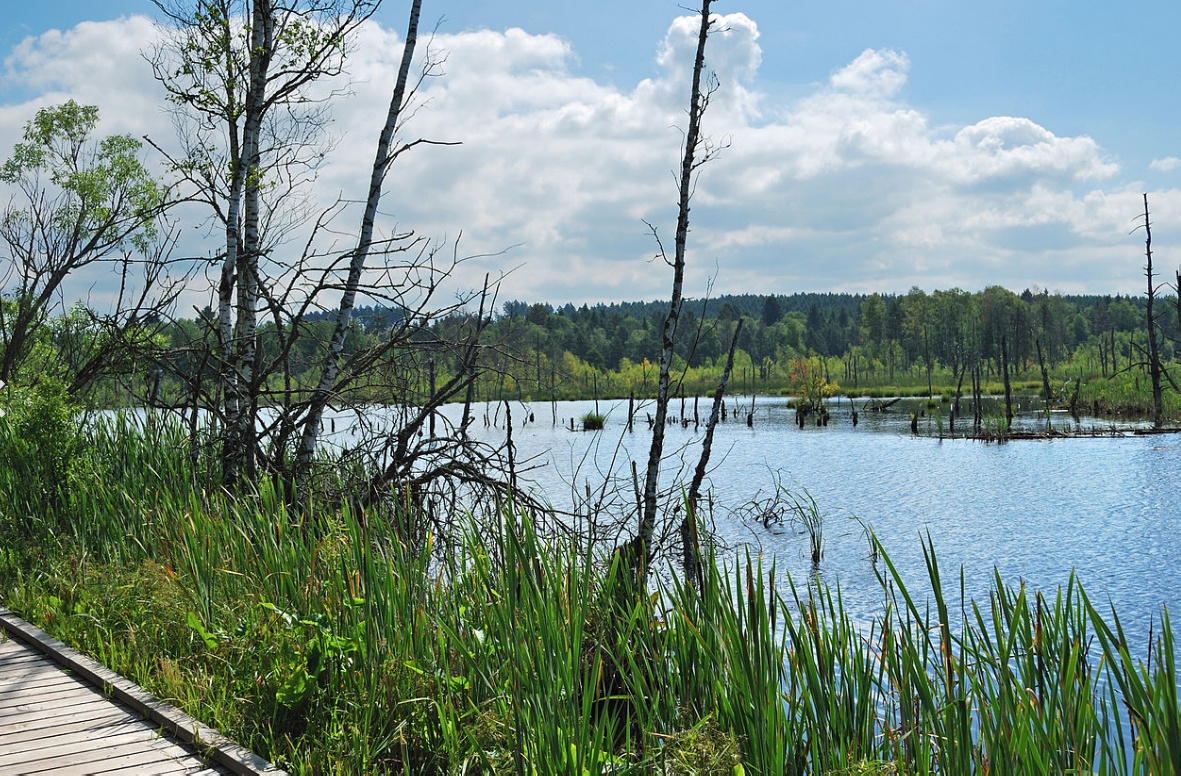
(242, 76)
(239, 73)
(386, 153)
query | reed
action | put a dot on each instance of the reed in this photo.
(340, 649)
(806, 513)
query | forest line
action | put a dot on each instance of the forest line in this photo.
(862, 345)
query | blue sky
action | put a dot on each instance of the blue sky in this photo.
(870, 146)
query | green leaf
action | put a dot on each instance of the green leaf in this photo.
(288, 617)
(211, 639)
(296, 689)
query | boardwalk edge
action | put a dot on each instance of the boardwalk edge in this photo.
(208, 741)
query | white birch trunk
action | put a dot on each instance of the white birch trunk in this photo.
(381, 163)
(242, 434)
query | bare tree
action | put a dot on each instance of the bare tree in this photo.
(285, 310)
(690, 161)
(239, 73)
(386, 154)
(1152, 357)
(690, 540)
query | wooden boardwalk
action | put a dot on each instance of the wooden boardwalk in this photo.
(63, 714)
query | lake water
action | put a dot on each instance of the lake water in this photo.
(1105, 508)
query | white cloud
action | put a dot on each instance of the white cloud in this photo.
(873, 75)
(1167, 164)
(99, 63)
(731, 49)
(849, 187)
(1006, 146)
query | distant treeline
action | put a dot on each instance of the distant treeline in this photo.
(541, 351)
(877, 335)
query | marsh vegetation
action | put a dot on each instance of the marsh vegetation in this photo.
(329, 641)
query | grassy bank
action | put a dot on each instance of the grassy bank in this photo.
(329, 644)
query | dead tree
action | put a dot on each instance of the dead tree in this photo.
(386, 153)
(239, 71)
(1150, 356)
(698, 101)
(691, 542)
(1156, 370)
(243, 71)
(1047, 391)
(1008, 384)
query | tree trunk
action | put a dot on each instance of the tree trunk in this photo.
(381, 165)
(691, 553)
(697, 104)
(241, 389)
(1155, 369)
(1008, 386)
(1047, 392)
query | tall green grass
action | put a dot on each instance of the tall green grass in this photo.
(322, 642)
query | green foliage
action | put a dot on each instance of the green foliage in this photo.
(40, 445)
(593, 421)
(79, 200)
(809, 380)
(103, 184)
(917, 343)
(885, 347)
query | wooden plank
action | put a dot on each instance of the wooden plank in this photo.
(52, 720)
(58, 693)
(63, 705)
(30, 682)
(138, 751)
(92, 730)
(19, 673)
(67, 740)
(220, 749)
(157, 769)
(62, 711)
(147, 761)
(27, 730)
(14, 650)
(27, 677)
(23, 658)
(33, 683)
(118, 742)
(30, 662)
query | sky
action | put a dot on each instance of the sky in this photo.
(861, 146)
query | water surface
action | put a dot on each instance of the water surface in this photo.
(1103, 508)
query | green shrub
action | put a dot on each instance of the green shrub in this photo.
(40, 443)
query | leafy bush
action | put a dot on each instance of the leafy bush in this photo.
(39, 446)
